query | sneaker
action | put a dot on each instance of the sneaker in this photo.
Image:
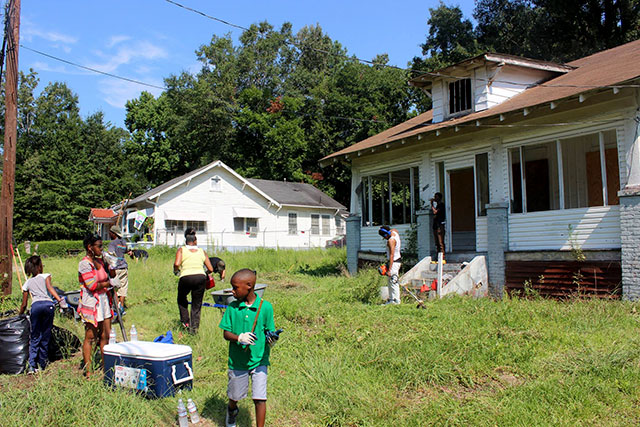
(231, 417)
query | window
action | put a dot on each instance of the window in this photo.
(568, 173)
(130, 225)
(482, 183)
(171, 224)
(315, 224)
(326, 225)
(460, 96)
(215, 183)
(339, 226)
(293, 223)
(390, 198)
(245, 225)
(539, 177)
(199, 226)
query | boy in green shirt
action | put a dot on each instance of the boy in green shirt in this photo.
(246, 323)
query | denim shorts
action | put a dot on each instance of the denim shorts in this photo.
(239, 383)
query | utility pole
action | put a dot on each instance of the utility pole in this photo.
(12, 36)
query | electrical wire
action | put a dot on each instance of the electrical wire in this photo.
(93, 69)
(421, 72)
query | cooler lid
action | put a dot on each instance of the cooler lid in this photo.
(147, 350)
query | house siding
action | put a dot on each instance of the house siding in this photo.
(196, 199)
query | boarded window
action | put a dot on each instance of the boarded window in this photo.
(215, 184)
(482, 182)
(584, 169)
(315, 224)
(293, 223)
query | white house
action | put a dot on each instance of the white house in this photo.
(234, 213)
(533, 158)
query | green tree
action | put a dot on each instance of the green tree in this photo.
(270, 108)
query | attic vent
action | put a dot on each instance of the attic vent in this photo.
(460, 96)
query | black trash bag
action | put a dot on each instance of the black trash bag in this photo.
(63, 344)
(14, 344)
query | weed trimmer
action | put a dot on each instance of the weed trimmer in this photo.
(111, 260)
(418, 300)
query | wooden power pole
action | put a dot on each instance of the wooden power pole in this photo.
(12, 36)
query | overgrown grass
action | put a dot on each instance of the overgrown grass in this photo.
(344, 360)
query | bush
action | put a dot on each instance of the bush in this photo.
(52, 248)
(365, 287)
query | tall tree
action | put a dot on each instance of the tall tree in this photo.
(270, 107)
(556, 30)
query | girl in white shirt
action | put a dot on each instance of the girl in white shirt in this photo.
(42, 309)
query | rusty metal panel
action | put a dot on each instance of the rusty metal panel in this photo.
(560, 279)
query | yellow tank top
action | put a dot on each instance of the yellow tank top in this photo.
(192, 262)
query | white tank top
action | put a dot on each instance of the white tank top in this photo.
(396, 249)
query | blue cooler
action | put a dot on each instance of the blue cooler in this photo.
(153, 368)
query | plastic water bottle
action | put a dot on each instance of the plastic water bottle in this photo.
(133, 333)
(193, 411)
(183, 421)
(112, 336)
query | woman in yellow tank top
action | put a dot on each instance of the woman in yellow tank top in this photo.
(190, 263)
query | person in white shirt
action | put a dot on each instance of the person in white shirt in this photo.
(395, 261)
(42, 309)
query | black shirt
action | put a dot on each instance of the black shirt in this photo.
(214, 263)
(440, 216)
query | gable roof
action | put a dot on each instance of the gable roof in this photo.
(96, 214)
(497, 58)
(607, 68)
(296, 194)
(171, 184)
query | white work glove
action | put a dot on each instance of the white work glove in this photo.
(115, 282)
(247, 338)
(63, 303)
(110, 258)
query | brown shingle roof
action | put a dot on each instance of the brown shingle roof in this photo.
(607, 68)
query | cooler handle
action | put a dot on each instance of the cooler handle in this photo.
(181, 380)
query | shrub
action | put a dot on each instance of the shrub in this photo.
(52, 248)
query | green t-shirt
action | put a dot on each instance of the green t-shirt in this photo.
(238, 318)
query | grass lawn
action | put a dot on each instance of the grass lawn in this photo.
(344, 360)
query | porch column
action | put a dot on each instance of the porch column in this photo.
(630, 241)
(425, 236)
(630, 222)
(497, 245)
(353, 242)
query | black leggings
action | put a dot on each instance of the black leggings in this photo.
(195, 284)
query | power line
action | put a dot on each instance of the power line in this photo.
(422, 72)
(93, 69)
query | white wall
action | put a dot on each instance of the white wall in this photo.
(595, 228)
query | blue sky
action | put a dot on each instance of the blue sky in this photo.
(148, 40)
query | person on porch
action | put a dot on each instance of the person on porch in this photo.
(439, 219)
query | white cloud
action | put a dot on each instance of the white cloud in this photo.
(126, 54)
(118, 92)
(29, 31)
(114, 40)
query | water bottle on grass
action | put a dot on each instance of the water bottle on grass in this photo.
(182, 414)
(112, 336)
(133, 333)
(193, 411)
